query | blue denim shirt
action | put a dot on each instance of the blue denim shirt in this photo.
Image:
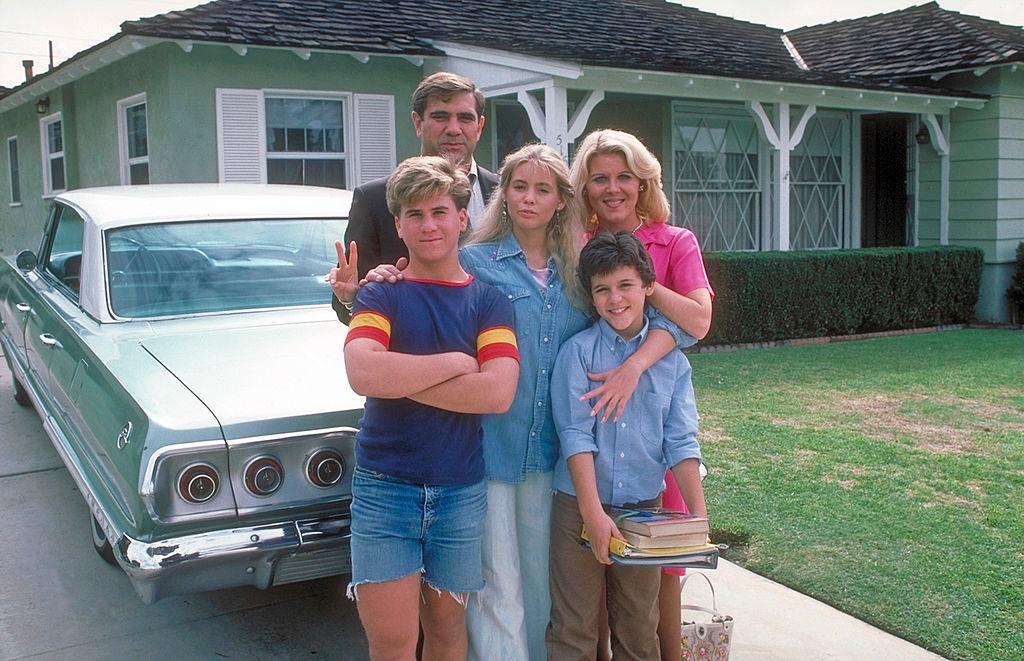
(657, 430)
(523, 440)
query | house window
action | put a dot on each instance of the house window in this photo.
(819, 184)
(12, 169)
(133, 140)
(717, 176)
(51, 131)
(306, 141)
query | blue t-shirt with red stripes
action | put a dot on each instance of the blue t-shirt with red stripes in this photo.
(412, 441)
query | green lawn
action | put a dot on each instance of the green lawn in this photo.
(884, 477)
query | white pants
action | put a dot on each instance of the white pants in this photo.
(508, 618)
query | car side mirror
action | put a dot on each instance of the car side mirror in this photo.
(26, 260)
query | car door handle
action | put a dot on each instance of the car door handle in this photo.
(23, 307)
(49, 340)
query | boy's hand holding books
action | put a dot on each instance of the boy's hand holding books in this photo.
(604, 529)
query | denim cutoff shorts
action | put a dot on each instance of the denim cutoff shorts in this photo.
(399, 528)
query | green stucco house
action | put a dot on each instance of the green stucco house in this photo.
(904, 128)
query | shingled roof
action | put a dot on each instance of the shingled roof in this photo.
(632, 34)
(916, 41)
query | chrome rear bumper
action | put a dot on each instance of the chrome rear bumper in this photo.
(260, 556)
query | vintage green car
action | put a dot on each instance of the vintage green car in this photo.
(180, 348)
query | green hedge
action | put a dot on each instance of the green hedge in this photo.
(765, 296)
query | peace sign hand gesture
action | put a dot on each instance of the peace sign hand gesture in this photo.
(344, 278)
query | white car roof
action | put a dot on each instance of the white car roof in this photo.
(115, 206)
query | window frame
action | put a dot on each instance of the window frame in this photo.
(47, 157)
(44, 262)
(347, 156)
(125, 161)
(14, 172)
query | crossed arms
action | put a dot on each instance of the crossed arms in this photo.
(451, 381)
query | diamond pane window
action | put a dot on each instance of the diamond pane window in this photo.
(717, 184)
(819, 184)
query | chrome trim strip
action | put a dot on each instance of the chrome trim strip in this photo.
(249, 440)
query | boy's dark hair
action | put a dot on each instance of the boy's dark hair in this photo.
(607, 252)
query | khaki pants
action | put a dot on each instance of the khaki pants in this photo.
(577, 579)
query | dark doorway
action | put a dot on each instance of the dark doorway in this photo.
(883, 180)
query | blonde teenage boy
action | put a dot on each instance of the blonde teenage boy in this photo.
(430, 353)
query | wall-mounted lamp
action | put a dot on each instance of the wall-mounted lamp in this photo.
(43, 105)
(923, 137)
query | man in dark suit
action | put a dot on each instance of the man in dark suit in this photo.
(447, 113)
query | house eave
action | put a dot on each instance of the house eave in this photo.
(128, 44)
(118, 48)
(501, 72)
(664, 83)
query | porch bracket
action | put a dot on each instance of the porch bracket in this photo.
(798, 133)
(579, 120)
(534, 112)
(939, 138)
(184, 45)
(764, 123)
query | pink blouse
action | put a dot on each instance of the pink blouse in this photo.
(676, 256)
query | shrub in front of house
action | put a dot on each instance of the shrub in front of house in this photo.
(1015, 293)
(768, 296)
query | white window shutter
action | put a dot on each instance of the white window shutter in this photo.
(241, 138)
(374, 152)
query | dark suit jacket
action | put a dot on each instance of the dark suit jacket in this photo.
(372, 227)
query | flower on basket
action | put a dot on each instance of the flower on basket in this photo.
(703, 650)
(722, 652)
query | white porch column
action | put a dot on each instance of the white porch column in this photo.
(938, 128)
(556, 120)
(783, 141)
(551, 123)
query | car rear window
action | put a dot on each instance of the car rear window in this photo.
(182, 268)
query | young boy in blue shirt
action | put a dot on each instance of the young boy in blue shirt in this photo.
(430, 353)
(615, 463)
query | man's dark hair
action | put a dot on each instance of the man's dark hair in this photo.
(606, 252)
(445, 85)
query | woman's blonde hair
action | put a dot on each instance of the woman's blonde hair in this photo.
(563, 235)
(651, 206)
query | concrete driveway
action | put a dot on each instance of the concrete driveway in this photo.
(59, 600)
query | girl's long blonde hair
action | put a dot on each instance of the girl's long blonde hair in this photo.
(563, 235)
(651, 206)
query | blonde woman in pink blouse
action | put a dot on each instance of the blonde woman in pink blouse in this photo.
(619, 188)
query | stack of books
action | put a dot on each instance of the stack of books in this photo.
(657, 536)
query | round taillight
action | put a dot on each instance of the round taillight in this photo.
(198, 483)
(263, 476)
(325, 467)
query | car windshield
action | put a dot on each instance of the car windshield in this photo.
(170, 269)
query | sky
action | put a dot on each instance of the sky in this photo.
(26, 26)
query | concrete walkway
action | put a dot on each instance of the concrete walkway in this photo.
(774, 623)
